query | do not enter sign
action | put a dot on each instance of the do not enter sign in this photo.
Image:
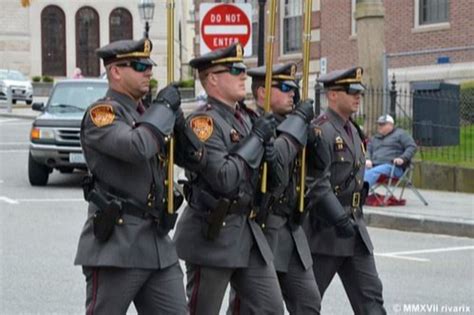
(225, 24)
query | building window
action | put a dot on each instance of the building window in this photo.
(120, 25)
(53, 41)
(292, 26)
(87, 41)
(433, 11)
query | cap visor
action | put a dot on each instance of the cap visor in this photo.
(147, 61)
(291, 83)
(239, 65)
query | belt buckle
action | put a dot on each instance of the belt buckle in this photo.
(356, 199)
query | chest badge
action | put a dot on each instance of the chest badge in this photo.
(234, 136)
(339, 144)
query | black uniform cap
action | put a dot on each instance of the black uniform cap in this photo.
(128, 49)
(285, 73)
(232, 55)
(344, 78)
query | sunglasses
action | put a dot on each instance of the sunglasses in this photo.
(285, 88)
(136, 65)
(350, 91)
(232, 70)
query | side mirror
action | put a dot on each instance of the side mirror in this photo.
(38, 107)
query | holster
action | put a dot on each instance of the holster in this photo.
(264, 202)
(106, 216)
(216, 218)
(167, 221)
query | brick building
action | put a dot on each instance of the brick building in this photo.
(54, 37)
(424, 39)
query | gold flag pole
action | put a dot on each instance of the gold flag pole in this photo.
(170, 5)
(268, 78)
(306, 51)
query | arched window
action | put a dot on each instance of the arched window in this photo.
(53, 41)
(120, 25)
(87, 41)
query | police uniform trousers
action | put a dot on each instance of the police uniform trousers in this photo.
(358, 275)
(111, 290)
(256, 285)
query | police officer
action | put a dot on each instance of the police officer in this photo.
(282, 225)
(337, 233)
(124, 248)
(217, 235)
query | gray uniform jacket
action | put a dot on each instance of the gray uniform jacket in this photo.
(225, 175)
(283, 236)
(124, 157)
(397, 144)
(329, 166)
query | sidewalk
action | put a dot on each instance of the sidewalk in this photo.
(447, 212)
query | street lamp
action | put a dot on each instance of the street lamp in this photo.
(147, 10)
(261, 31)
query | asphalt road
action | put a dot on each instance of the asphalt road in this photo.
(40, 226)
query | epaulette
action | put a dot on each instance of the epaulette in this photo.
(321, 119)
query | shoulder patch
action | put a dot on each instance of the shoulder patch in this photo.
(202, 126)
(321, 119)
(102, 114)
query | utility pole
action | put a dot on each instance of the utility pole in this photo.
(261, 32)
(369, 17)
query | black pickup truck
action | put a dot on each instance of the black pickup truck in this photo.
(54, 135)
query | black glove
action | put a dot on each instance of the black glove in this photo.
(305, 110)
(264, 127)
(169, 95)
(270, 154)
(345, 227)
(180, 121)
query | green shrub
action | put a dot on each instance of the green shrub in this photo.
(48, 79)
(36, 78)
(153, 83)
(186, 83)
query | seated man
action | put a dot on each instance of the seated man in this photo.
(390, 146)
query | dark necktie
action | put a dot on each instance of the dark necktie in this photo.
(140, 108)
(347, 128)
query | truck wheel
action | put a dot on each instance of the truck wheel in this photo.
(29, 102)
(37, 173)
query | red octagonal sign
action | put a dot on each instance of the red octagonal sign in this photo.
(223, 25)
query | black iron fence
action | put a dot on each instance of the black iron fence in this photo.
(439, 116)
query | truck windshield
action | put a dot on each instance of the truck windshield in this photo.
(76, 96)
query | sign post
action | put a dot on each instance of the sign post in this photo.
(222, 25)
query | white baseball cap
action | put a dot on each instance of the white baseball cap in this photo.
(385, 119)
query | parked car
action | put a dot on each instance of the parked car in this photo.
(21, 87)
(54, 136)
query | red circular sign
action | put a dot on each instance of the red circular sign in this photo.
(224, 25)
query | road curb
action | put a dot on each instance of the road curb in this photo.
(17, 116)
(419, 223)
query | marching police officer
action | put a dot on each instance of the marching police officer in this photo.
(282, 223)
(337, 233)
(217, 235)
(124, 247)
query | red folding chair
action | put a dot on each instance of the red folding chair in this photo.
(390, 184)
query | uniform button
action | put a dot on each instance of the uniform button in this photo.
(223, 223)
(120, 221)
(149, 204)
(164, 200)
(342, 158)
(359, 181)
(234, 202)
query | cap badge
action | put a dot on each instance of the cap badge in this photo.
(359, 74)
(293, 70)
(146, 46)
(202, 126)
(238, 49)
